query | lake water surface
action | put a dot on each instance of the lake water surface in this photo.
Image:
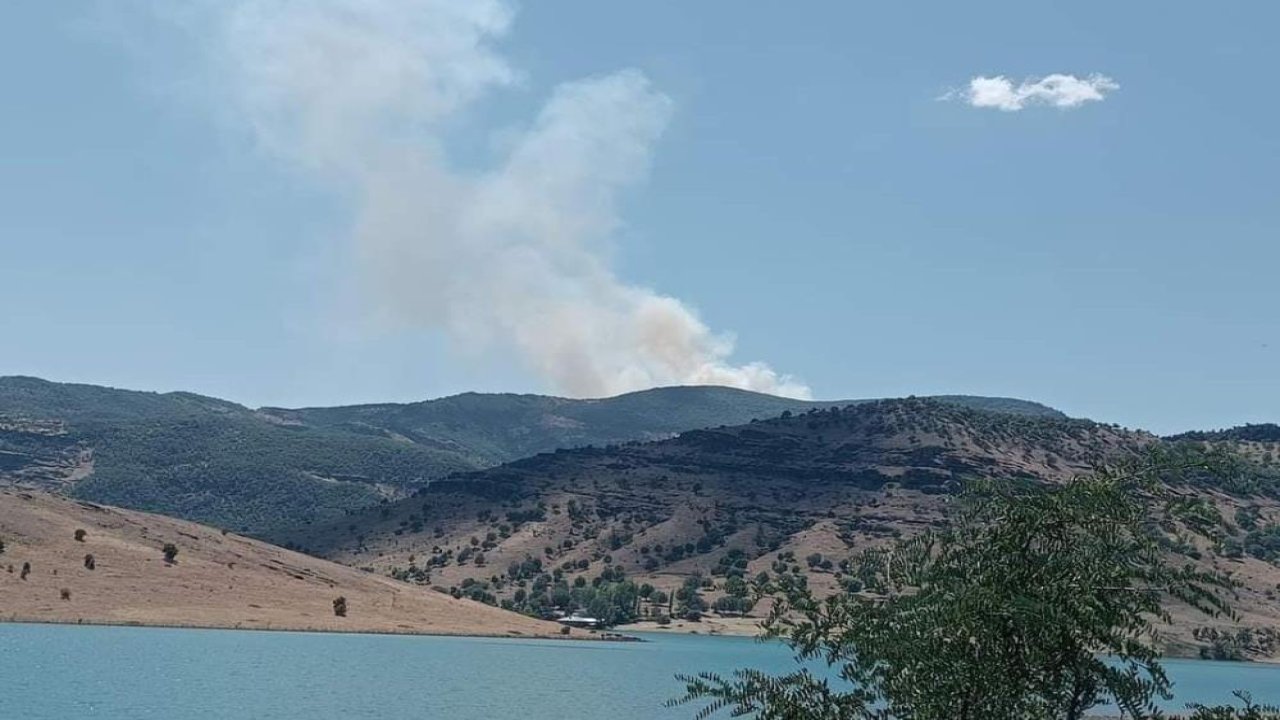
(51, 672)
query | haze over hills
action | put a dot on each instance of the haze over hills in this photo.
(259, 471)
(793, 495)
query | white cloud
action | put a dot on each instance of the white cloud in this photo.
(1057, 90)
(511, 257)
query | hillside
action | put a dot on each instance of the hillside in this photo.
(259, 471)
(217, 580)
(795, 495)
(793, 470)
(196, 457)
(1263, 433)
(493, 429)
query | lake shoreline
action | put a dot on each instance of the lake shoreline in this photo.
(510, 635)
(709, 626)
(735, 627)
(748, 627)
(100, 565)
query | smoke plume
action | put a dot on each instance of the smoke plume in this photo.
(364, 93)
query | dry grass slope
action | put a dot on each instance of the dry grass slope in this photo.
(217, 580)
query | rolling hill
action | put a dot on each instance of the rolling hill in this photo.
(493, 429)
(217, 579)
(793, 494)
(196, 457)
(260, 471)
(1261, 433)
(778, 474)
(532, 503)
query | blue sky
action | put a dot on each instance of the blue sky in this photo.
(804, 189)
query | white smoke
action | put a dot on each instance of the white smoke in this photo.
(364, 92)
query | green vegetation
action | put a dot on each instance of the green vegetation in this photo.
(1234, 471)
(205, 459)
(690, 604)
(610, 597)
(495, 429)
(1004, 613)
(1247, 710)
(340, 606)
(262, 472)
(1237, 644)
(1264, 432)
(737, 598)
(247, 474)
(1264, 543)
(170, 553)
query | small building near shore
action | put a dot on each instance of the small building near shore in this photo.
(580, 621)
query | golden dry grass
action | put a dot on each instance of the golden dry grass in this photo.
(219, 580)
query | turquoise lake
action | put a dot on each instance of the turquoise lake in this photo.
(51, 672)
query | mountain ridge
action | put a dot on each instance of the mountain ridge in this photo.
(795, 494)
(256, 470)
(536, 503)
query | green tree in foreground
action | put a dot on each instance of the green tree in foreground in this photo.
(1007, 613)
(1248, 711)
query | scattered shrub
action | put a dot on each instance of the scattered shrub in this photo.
(80, 534)
(731, 605)
(170, 552)
(89, 562)
(340, 606)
